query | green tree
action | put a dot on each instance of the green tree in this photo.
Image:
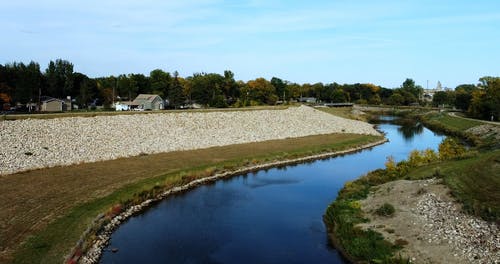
(126, 86)
(466, 88)
(175, 94)
(293, 90)
(280, 87)
(28, 82)
(440, 98)
(142, 83)
(85, 89)
(485, 102)
(160, 82)
(462, 100)
(375, 99)
(59, 76)
(396, 99)
(410, 87)
(207, 89)
(230, 88)
(261, 91)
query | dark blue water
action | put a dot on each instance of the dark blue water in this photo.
(272, 216)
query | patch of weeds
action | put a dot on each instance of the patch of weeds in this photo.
(386, 209)
(390, 230)
(421, 191)
(437, 173)
(400, 242)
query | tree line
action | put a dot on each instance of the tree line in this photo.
(24, 83)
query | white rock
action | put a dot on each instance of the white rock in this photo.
(66, 141)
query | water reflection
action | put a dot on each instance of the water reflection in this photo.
(408, 128)
(262, 182)
(410, 131)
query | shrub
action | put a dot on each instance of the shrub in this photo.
(450, 148)
(385, 210)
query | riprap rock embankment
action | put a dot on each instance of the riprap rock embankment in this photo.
(38, 143)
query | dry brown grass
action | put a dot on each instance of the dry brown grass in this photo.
(30, 200)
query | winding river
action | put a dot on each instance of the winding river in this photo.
(271, 216)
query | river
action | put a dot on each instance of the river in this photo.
(271, 216)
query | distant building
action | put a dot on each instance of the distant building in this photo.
(309, 100)
(122, 106)
(49, 104)
(429, 93)
(148, 102)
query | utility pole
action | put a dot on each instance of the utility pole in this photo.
(113, 101)
(39, 97)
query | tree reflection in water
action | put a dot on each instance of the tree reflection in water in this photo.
(408, 131)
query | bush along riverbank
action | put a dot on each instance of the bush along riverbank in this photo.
(470, 174)
(49, 245)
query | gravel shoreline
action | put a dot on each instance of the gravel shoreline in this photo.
(39, 143)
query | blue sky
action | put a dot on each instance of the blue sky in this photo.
(381, 42)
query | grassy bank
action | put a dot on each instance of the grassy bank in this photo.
(473, 181)
(472, 177)
(452, 126)
(49, 209)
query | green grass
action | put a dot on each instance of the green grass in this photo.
(341, 219)
(51, 244)
(475, 182)
(452, 126)
(454, 123)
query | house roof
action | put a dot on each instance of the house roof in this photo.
(47, 99)
(145, 97)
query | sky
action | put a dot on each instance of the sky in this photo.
(364, 41)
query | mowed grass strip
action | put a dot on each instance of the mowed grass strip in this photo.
(50, 208)
(345, 112)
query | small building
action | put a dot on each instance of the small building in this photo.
(52, 105)
(148, 102)
(122, 106)
(309, 100)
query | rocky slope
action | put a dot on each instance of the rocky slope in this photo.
(38, 143)
(430, 224)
